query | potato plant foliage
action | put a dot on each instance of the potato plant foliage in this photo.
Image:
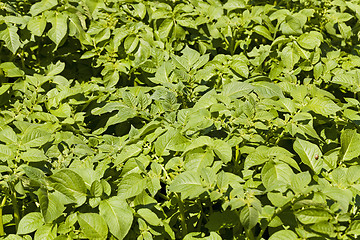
(179, 119)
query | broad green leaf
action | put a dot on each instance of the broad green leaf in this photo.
(289, 56)
(299, 182)
(63, 111)
(55, 69)
(42, 6)
(11, 70)
(11, 38)
(268, 90)
(30, 223)
(275, 176)
(284, 235)
(307, 152)
(188, 184)
(310, 40)
(198, 159)
(313, 215)
(350, 141)
(70, 184)
(33, 155)
(235, 90)
(354, 228)
(342, 196)
(7, 135)
(46, 232)
(200, 142)
(325, 227)
(149, 216)
(93, 5)
(263, 31)
(240, 68)
(223, 150)
(34, 137)
(93, 225)
(291, 26)
(323, 106)
(59, 27)
(36, 25)
(234, 4)
(126, 153)
(249, 217)
(165, 28)
(118, 216)
(131, 185)
(50, 205)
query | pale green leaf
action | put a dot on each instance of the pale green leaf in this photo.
(93, 225)
(30, 223)
(118, 216)
(42, 6)
(11, 38)
(350, 142)
(307, 152)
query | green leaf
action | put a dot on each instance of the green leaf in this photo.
(307, 152)
(223, 150)
(350, 141)
(93, 5)
(188, 184)
(30, 223)
(313, 215)
(240, 68)
(55, 69)
(46, 232)
(235, 90)
(34, 137)
(268, 90)
(36, 25)
(11, 70)
(249, 217)
(310, 40)
(93, 225)
(291, 26)
(59, 27)
(118, 216)
(284, 235)
(131, 185)
(33, 155)
(354, 228)
(42, 6)
(70, 184)
(7, 135)
(289, 56)
(275, 176)
(323, 106)
(198, 159)
(11, 38)
(149, 216)
(165, 28)
(51, 207)
(263, 31)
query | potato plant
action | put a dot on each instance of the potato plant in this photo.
(179, 119)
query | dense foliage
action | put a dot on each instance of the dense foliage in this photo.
(186, 119)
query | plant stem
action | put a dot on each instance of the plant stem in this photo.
(182, 216)
(15, 205)
(2, 233)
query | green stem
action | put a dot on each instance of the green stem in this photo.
(2, 233)
(15, 206)
(182, 216)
